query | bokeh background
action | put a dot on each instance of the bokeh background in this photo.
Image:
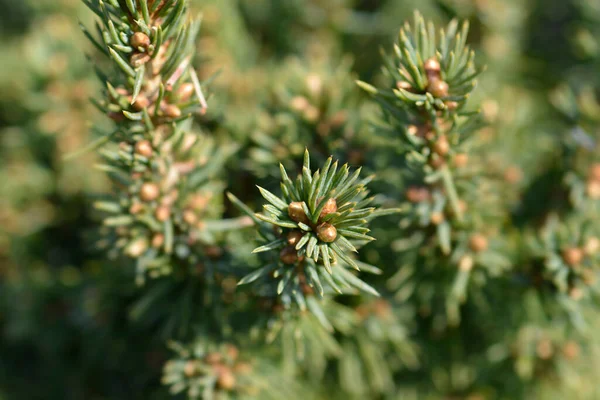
(68, 327)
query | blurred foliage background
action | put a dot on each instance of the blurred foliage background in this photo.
(68, 322)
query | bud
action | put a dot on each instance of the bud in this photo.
(441, 146)
(461, 160)
(139, 39)
(513, 174)
(436, 162)
(571, 350)
(158, 240)
(591, 246)
(311, 114)
(232, 351)
(213, 358)
(185, 91)
(326, 232)
(451, 105)
(595, 172)
(288, 255)
(576, 293)
(137, 248)
(478, 243)
(149, 191)
(190, 217)
(293, 237)
(330, 207)
(136, 208)
(299, 103)
(172, 111)
(432, 67)
(437, 218)
(466, 263)
(438, 88)
(593, 189)
(189, 369)
(140, 103)
(143, 148)
(226, 379)
(162, 213)
(296, 212)
(314, 83)
(545, 349)
(572, 256)
(416, 194)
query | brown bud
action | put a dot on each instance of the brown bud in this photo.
(288, 255)
(571, 350)
(149, 191)
(158, 240)
(416, 194)
(136, 208)
(296, 212)
(451, 105)
(576, 293)
(314, 83)
(437, 218)
(299, 103)
(140, 103)
(466, 263)
(311, 114)
(436, 162)
(441, 146)
(185, 91)
(232, 352)
(190, 369)
(162, 213)
(139, 39)
(591, 246)
(172, 111)
(595, 172)
(478, 243)
(143, 148)
(226, 379)
(545, 349)
(213, 358)
(461, 160)
(432, 66)
(326, 232)
(572, 256)
(190, 217)
(513, 175)
(293, 237)
(438, 88)
(593, 189)
(330, 207)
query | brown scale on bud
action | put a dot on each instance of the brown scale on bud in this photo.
(293, 237)
(441, 147)
(296, 212)
(438, 88)
(149, 191)
(422, 131)
(140, 103)
(416, 194)
(460, 160)
(326, 232)
(330, 207)
(288, 255)
(139, 39)
(144, 148)
(573, 256)
(162, 213)
(478, 243)
(172, 111)
(185, 91)
(437, 218)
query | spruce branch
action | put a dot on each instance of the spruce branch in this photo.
(163, 172)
